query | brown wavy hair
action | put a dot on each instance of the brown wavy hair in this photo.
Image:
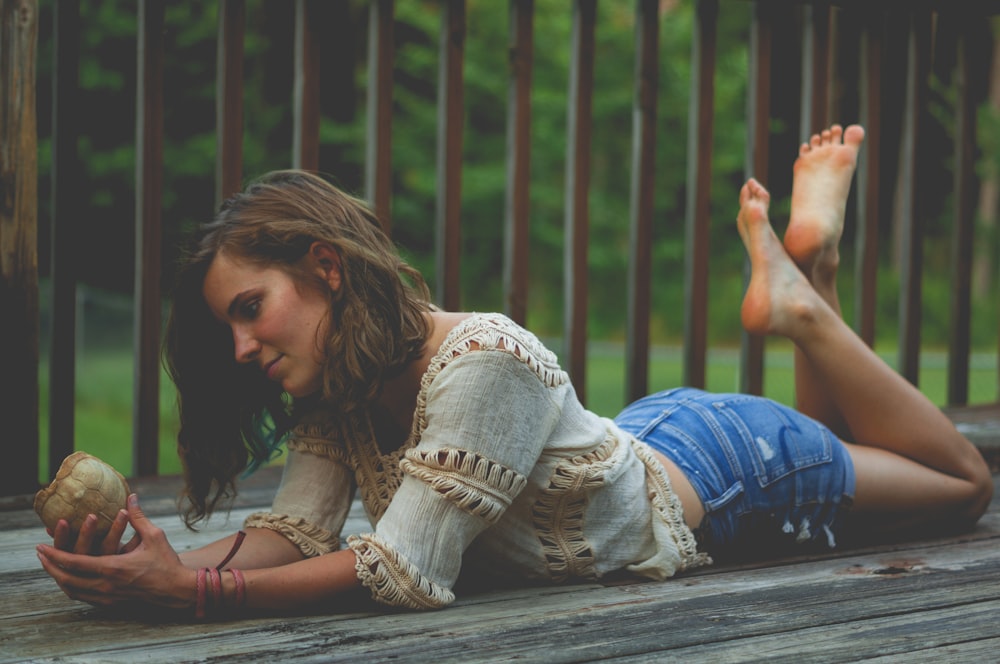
(231, 417)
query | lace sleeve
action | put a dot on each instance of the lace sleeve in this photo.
(314, 496)
(488, 415)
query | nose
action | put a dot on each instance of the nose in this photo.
(245, 345)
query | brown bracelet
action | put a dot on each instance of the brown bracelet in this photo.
(240, 536)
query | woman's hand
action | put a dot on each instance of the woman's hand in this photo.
(87, 541)
(146, 569)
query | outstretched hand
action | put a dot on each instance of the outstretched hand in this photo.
(146, 569)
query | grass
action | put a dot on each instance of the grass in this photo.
(103, 417)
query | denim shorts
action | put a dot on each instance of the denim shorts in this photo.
(766, 474)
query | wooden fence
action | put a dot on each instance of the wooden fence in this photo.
(928, 27)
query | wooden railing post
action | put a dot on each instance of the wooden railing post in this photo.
(378, 141)
(697, 225)
(911, 213)
(516, 232)
(305, 94)
(964, 221)
(866, 238)
(756, 164)
(229, 99)
(577, 216)
(66, 199)
(148, 238)
(642, 197)
(18, 244)
(451, 128)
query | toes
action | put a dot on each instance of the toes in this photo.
(854, 135)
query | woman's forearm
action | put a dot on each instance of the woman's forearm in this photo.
(260, 548)
(310, 581)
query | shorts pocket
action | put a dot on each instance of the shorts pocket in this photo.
(781, 441)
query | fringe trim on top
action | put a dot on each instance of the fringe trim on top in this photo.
(310, 539)
(667, 506)
(476, 484)
(559, 510)
(321, 448)
(392, 579)
(377, 475)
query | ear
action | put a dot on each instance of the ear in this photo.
(327, 263)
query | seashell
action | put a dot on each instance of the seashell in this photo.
(83, 485)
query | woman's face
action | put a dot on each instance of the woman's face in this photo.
(275, 324)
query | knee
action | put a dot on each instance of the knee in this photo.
(980, 492)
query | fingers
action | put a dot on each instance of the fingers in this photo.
(112, 540)
(62, 538)
(86, 541)
(73, 584)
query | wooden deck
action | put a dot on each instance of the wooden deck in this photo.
(931, 600)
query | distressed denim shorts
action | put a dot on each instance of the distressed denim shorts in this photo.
(766, 474)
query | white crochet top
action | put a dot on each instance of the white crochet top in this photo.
(504, 472)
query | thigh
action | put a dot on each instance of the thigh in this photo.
(897, 491)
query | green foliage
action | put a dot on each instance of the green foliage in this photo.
(107, 147)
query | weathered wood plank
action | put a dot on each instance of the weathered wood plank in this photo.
(877, 600)
(780, 604)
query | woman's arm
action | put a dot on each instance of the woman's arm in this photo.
(153, 573)
(260, 548)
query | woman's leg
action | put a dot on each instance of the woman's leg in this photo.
(911, 464)
(821, 184)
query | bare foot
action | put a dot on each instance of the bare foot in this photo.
(778, 293)
(821, 183)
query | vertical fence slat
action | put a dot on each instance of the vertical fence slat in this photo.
(521, 52)
(305, 95)
(642, 196)
(911, 213)
(815, 68)
(869, 168)
(148, 237)
(66, 199)
(963, 224)
(756, 164)
(451, 123)
(18, 242)
(378, 149)
(229, 99)
(577, 220)
(701, 131)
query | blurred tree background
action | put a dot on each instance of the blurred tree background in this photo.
(107, 76)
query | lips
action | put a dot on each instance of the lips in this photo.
(271, 368)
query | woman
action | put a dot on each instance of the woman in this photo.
(466, 441)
